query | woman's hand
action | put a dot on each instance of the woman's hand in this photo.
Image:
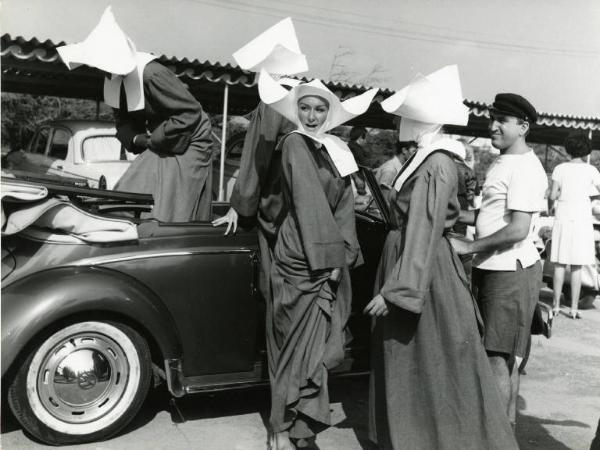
(336, 275)
(377, 307)
(230, 218)
(141, 140)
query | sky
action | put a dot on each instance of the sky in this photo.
(545, 50)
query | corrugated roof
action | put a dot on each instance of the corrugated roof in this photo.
(31, 65)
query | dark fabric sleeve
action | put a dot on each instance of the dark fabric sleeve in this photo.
(259, 144)
(408, 284)
(183, 114)
(128, 124)
(346, 220)
(321, 237)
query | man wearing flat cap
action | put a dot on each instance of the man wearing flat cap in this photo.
(506, 263)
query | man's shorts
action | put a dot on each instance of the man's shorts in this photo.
(506, 300)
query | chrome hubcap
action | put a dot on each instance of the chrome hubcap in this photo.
(83, 377)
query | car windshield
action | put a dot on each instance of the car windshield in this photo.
(104, 149)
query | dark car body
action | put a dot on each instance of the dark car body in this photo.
(190, 291)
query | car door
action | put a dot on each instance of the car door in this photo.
(60, 153)
(208, 283)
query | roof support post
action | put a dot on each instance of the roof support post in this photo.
(223, 143)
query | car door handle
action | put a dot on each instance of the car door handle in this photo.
(60, 167)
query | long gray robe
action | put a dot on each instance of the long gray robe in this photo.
(257, 189)
(309, 311)
(257, 193)
(177, 168)
(431, 384)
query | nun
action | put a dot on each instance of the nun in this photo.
(157, 118)
(257, 190)
(431, 384)
(315, 248)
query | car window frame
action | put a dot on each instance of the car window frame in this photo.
(378, 197)
(49, 143)
(107, 134)
(36, 138)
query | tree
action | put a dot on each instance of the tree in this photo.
(341, 69)
(23, 113)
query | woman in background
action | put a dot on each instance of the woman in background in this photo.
(573, 183)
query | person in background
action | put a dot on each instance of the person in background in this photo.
(467, 187)
(573, 183)
(387, 172)
(356, 142)
(506, 264)
(315, 248)
(431, 383)
(157, 118)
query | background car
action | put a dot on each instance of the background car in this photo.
(86, 324)
(75, 148)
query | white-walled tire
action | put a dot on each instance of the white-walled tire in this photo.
(83, 383)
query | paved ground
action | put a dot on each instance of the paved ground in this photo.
(559, 406)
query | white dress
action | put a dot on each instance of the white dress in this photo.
(573, 232)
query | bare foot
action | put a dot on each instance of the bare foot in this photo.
(282, 441)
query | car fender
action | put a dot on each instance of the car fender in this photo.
(33, 303)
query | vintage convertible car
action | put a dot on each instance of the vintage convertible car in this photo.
(95, 304)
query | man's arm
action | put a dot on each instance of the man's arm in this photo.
(468, 217)
(515, 231)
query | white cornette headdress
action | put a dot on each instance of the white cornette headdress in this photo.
(107, 48)
(435, 99)
(276, 50)
(286, 103)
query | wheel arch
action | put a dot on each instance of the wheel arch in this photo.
(41, 303)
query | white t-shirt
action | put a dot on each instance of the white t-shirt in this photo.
(386, 173)
(513, 183)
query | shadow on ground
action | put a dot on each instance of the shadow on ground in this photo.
(533, 435)
(353, 394)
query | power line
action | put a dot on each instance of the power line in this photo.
(392, 32)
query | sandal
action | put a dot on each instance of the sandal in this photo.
(575, 315)
(555, 312)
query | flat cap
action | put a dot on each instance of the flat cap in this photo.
(514, 105)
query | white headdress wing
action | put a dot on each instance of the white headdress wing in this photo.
(107, 48)
(286, 103)
(276, 50)
(435, 98)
